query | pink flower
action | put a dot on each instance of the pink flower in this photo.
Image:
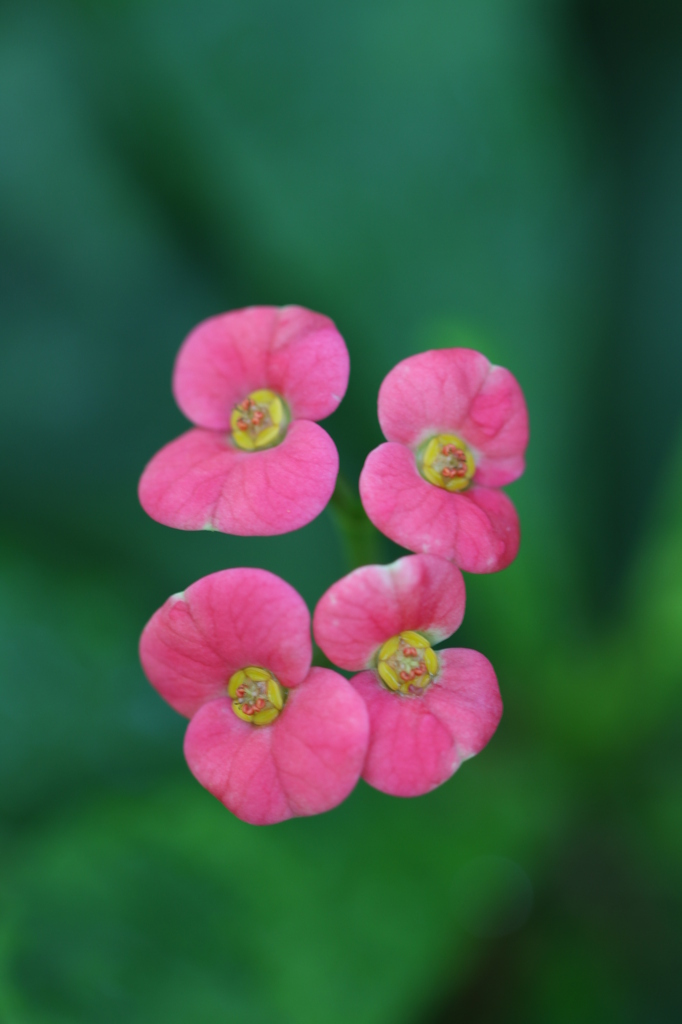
(429, 710)
(269, 736)
(457, 430)
(253, 381)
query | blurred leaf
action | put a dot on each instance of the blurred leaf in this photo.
(76, 707)
(164, 906)
(425, 173)
(655, 601)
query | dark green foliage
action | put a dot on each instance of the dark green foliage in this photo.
(499, 173)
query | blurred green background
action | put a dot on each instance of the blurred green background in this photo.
(505, 174)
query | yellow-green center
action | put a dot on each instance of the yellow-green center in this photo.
(257, 697)
(407, 663)
(447, 462)
(259, 421)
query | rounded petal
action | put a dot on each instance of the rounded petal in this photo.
(418, 743)
(466, 698)
(226, 621)
(201, 481)
(293, 351)
(478, 529)
(410, 751)
(305, 763)
(375, 602)
(309, 363)
(233, 761)
(498, 472)
(320, 745)
(458, 391)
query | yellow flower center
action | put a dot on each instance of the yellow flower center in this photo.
(407, 663)
(446, 461)
(260, 421)
(256, 695)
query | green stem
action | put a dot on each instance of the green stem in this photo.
(361, 540)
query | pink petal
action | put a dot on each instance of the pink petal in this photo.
(417, 743)
(466, 699)
(305, 763)
(309, 363)
(293, 351)
(364, 609)
(223, 622)
(320, 747)
(410, 751)
(458, 391)
(478, 529)
(498, 472)
(201, 481)
(233, 761)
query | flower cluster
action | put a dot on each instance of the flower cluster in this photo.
(269, 735)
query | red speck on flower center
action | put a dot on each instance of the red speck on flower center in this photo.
(410, 652)
(247, 709)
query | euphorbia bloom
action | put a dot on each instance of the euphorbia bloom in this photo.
(457, 430)
(253, 381)
(429, 710)
(269, 736)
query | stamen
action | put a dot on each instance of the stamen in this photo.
(259, 421)
(257, 697)
(447, 462)
(407, 664)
